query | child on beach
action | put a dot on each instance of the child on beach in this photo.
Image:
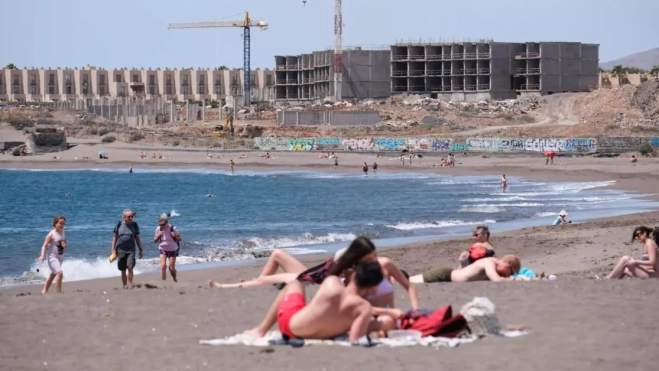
(52, 252)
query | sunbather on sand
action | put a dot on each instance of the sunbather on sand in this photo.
(334, 310)
(360, 250)
(648, 266)
(485, 269)
(480, 249)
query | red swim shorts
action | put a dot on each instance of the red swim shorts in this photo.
(292, 303)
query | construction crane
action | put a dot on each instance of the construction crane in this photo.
(338, 49)
(246, 25)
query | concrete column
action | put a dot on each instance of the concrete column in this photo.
(102, 105)
(203, 111)
(171, 111)
(297, 118)
(187, 111)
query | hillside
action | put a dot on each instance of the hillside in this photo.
(643, 60)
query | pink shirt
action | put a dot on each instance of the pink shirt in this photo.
(167, 242)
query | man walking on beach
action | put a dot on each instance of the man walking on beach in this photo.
(126, 238)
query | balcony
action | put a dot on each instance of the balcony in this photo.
(136, 83)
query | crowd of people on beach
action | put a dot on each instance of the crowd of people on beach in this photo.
(356, 293)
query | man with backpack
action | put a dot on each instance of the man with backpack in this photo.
(126, 238)
(169, 238)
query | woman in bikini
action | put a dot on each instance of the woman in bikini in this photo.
(648, 266)
(361, 249)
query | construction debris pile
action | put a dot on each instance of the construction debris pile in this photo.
(485, 107)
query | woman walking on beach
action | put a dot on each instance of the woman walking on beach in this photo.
(169, 238)
(52, 252)
(648, 266)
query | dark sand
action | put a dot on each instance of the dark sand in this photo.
(577, 322)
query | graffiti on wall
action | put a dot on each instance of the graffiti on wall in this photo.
(419, 144)
(655, 142)
(532, 145)
(300, 144)
(358, 144)
(328, 141)
(390, 144)
(580, 144)
(618, 143)
(271, 143)
(459, 147)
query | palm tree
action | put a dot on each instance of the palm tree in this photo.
(654, 72)
(10, 66)
(223, 68)
(619, 72)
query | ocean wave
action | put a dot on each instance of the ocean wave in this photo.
(484, 209)
(545, 213)
(438, 224)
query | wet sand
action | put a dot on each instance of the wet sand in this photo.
(576, 322)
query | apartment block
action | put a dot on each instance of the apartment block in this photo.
(492, 70)
(311, 76)
(47, 85)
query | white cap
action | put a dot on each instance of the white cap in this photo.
(339, 253)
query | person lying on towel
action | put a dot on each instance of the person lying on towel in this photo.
(492, 269)
(335, 309)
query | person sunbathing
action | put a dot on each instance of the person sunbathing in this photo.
(485, 269)
(335, 309)
(480, 249)
(361, 249)
(648, 266)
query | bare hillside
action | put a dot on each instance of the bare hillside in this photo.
(643, 60)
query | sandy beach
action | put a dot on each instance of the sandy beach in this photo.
(576, 322)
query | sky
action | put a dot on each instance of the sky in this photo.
(133, 33)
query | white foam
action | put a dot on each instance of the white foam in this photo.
(305, 239)
(438, 224)
(545, 213)
(485, 209)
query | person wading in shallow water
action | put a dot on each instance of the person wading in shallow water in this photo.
(126, 238)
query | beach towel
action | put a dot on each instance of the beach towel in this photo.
(524, 273)
(274, 338)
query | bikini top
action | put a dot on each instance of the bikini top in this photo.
(384, 288)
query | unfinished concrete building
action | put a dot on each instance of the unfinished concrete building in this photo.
(492, 70)
(308, 77)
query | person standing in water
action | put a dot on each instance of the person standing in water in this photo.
(504, 182)
(231, 165)
(336, 162)
(375, 167)
(131, 169)
(52, 252)
(365, 169)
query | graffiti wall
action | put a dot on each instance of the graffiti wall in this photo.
(532, 145)
(567, 145)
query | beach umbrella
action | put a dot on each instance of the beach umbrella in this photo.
(550, 153)
(103, 153)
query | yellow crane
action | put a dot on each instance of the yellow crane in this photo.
(246, 25)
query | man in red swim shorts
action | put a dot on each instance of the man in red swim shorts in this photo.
(334, 310)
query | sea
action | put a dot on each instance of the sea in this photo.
(253, 213)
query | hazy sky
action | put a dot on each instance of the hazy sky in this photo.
(133, 33)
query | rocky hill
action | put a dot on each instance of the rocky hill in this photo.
(643, 60)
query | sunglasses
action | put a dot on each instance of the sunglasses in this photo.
(476, 234)
(128, 216)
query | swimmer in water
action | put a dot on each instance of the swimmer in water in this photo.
(504, 182)
(131, 169)
(68, 194)
(210, 195)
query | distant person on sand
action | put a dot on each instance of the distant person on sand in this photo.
(485, 269)
(365, 169)
(126, 238)
(633, 160)
(336, 162)
(52, 252)
(648, 266)
(560, 219)
(504, 182)
(231, 165)
(375, 167)
(169, 238)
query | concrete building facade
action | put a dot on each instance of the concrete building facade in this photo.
(47, 85)
(492, 70)
(310, 76)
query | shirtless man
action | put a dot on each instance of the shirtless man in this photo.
(485, 269)
(231, 164)
(504, 182)
(334, 310)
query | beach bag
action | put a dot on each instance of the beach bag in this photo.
(479, 252)
(438, 323)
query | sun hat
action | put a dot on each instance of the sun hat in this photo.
(163, 216)
(562, 213)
